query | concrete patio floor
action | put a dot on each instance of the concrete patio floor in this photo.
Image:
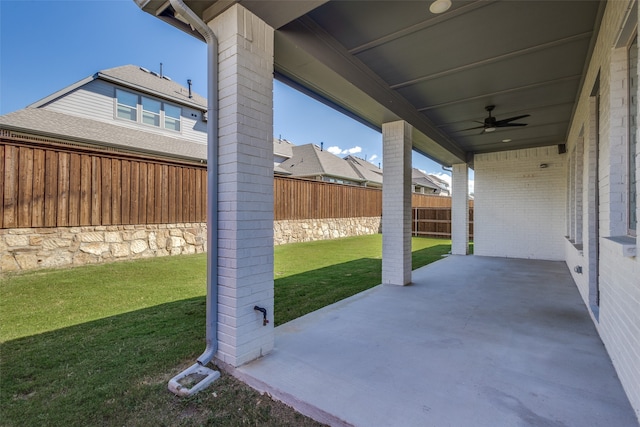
(474, 341)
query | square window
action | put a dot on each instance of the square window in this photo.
(126, 112)
(127, 105)
(150, 111)
(172, 117)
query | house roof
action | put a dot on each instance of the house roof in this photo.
(364, 169)
(280, 171)
(52, 124)
(282, 148)
(310, 160)
(420, 178)
(139, 79)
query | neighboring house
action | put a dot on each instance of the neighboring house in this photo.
(366, 170)
(422, 183)
(124, 148)
(126, 108)
(311, 161)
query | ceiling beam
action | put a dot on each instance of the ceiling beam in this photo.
(501, 92)
(438, 19)
(510, 55)
(502, 146)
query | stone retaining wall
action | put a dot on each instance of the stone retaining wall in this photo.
(306, 230)
(33, 248)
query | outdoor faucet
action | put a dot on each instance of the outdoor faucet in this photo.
(264, 314)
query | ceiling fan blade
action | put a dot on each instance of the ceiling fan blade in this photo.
(510, 119)
(475, 127)
(508, 125)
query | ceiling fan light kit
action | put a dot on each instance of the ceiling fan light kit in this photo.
(440, 6)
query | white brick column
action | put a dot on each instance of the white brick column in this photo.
(396, 203)
(245, 221)
(460, 209)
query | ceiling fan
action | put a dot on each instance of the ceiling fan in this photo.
(490, 124)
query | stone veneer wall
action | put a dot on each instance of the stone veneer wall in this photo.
(306, 230)
(33, 248)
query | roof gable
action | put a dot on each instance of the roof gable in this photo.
(138, 79)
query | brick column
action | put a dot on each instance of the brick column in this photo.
(245, 245)
(460, 209)
(396, 203)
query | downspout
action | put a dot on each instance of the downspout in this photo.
(212, 211)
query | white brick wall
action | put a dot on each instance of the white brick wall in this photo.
(519, 206)
(616, 276)
(396, 203)
(245, 264)
(619, 321)
(460, 209)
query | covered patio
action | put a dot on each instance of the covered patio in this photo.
(473, 340)
(540, 100)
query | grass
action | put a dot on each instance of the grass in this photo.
(96, 345)
(312, 275)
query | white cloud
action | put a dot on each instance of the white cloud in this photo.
(334, 149)
(372, 158)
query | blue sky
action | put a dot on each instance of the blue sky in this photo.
(47, 45)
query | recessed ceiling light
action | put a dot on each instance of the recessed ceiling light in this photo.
(440, 6)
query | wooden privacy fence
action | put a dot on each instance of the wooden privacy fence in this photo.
(306, 199)
(60, 185)
(57, 185)
(435, 222)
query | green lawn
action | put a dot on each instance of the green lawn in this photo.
(96, 345)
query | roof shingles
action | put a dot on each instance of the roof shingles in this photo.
(57, 125)
(136, 77)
